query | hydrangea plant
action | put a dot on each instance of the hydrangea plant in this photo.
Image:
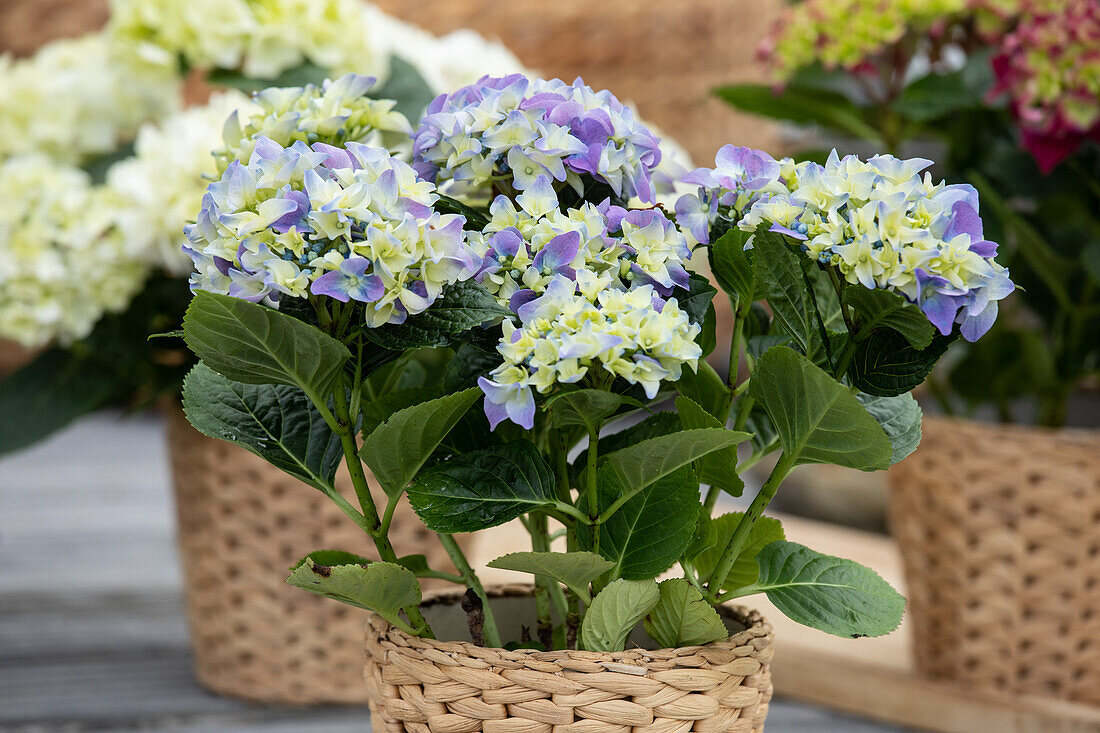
(1009, 90)
(541, 358)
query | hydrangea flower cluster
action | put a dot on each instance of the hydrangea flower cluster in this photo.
(77, 98)
(526, 244)
(843, 33)
(580, 324)
(161, 186)
(881, 225)
(1050, 69)
(262, 38)
(525, 129)
(350, 224)
(592, 287)
(65, 262)
(337, 112)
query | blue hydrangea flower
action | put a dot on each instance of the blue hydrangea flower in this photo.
(527, 130)
(348, 223)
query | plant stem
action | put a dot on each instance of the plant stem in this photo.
(541, 543)
(492, 635)
(845, 357)
(374, 525)
(744, 527)
(590, 491)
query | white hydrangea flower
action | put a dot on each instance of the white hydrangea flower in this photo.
(65, 262)
(79, 97)
(161, 187)
(262, 38)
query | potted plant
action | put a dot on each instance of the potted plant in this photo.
(91, 243)
(988, 516)
(569, 324)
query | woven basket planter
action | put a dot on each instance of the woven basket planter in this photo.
(999, 530)
(427, 686)
(242, 524)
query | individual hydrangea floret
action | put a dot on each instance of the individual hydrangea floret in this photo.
(530, 241)
(582, 326)
(349, 224)
(66, 263)
(739, 177)
(336, 112)
(881, 225)
(521, 130)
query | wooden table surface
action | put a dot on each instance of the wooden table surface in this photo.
(92, 631)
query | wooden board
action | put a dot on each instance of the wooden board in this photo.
(873, 678)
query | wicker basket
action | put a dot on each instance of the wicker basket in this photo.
(242, 524)
(999, 530)
(665, 57)
(427, 686)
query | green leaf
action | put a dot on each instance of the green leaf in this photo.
(682, 617)
(382, 587)
(468, 363)
(376, 411)
(731, 264)
(830, 594)
(779, 271)
(718, 469)
(479, 490)
(1090, 256)
(696, 300)
(745, 570)
(398, 448)
(48, 393)
(615, 612)
(574, 570)
(462, 306)
(642, 464)
(587, 408)
(703, 537)
(475, 219)
(885, 309)
(886, 365)
(801, 105)
(253, 344)
(705, 387)
(900, 418)
(417, 565)
(650, 531)
(276, 422)
(757, 345)
(936, 96)
(407, 87)
(332, 557)
(818, 420)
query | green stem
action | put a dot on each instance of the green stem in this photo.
(741, 534)
(845, 357)
(590, 490)
(492, 635)
(374, 526)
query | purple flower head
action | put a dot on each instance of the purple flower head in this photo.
(532, 129)
(557, 255)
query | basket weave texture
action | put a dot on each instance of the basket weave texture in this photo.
(665, 57)
(999, 530)
(428, 686)
(242, 524)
